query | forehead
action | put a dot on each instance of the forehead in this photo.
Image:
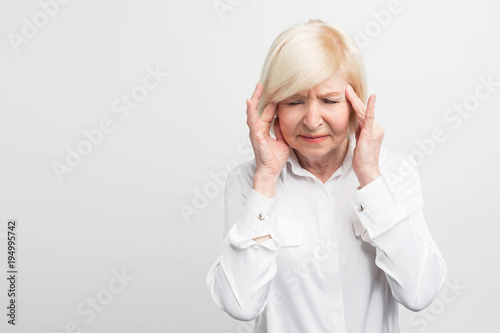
(335, 84)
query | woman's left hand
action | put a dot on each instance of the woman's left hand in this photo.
(369, 135)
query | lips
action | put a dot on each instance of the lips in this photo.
(314, 138)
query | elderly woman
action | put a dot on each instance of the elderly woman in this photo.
(324, 230)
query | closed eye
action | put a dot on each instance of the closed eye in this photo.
(329, 101)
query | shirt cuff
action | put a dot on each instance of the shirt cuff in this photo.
(259, 219)
(377, 208)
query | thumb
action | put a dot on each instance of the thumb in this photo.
(277, 130)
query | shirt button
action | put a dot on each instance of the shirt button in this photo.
(261, 217)
(361, 208)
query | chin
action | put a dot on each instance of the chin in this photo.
(314, 151)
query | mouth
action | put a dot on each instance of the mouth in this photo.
(313, 139)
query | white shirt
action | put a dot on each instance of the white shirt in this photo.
(340, 258)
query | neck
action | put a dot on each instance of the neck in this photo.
(323, 167)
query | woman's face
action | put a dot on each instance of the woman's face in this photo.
(315, 122)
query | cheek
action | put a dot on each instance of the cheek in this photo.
(340, 120)
(288, 123)
(286, 126)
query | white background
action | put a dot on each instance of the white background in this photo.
(119, 210)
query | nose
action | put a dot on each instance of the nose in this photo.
(313, 119)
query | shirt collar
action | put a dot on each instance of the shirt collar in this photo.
(293, 165)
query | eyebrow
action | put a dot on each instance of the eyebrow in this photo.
(325, 95)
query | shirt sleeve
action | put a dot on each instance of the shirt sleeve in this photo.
(389, 210)
(240, 279)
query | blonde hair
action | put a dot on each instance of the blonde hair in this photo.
(305, 55)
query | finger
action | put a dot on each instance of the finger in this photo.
(358, 131)
(277, 130)
(360, 120)
(268, 113)
(252, 117)
(257, 92)
(370, 113)
(252, 114)
(356, 102)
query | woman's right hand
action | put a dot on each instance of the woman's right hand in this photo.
(270, 154)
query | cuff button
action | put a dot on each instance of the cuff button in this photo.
(361, 208)
(261, 217)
